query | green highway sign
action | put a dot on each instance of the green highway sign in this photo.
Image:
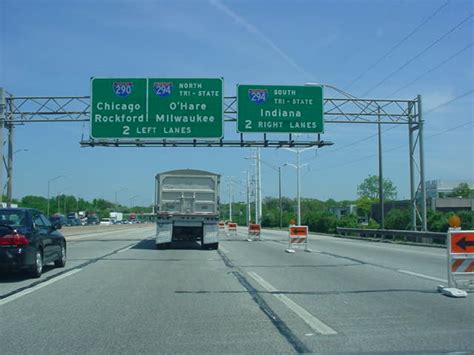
(279, 109)
(156, 108)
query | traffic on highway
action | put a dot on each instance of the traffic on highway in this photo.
(236, 177)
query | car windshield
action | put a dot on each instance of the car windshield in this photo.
(12, 218)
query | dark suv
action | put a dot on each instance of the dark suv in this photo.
(28, 240)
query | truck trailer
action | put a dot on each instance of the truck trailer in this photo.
(186, 205)
(116, 217)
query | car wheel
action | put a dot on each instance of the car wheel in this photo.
(61, 262)
(37, 269)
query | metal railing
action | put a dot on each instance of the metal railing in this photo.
(396, 235)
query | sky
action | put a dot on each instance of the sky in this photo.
(371, 49)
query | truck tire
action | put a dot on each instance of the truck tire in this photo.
(162, 246)
(211, 246)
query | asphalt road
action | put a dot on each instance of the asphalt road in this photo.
(118, 294)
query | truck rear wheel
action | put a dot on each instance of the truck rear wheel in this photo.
(211, 246)
(162, 246)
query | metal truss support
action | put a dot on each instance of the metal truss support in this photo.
(2, 120)
(341, 110)
(417, 168)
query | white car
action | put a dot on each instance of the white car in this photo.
(106, 221)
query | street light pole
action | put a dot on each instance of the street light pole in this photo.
(115, 193)
(132, 199)
(49, 183)
(259, 183)
(248, 198)
(298, 192)
(279, 197)
(230, 199)
(298, 166)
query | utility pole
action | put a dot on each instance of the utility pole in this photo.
(381, 192)
(424, 226)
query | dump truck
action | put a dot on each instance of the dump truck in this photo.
(186, 205)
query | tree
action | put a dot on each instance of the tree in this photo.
(462, 190)
(364, 204)
(37, 202)
(370, 188)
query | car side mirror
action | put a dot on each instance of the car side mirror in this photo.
(57, 226)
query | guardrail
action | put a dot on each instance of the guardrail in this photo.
(391, 234)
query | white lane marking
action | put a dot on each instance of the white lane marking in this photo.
(37, 287)
(125, 249)
(348, 241)
(224, 250)
(307, 317)
(421, 275)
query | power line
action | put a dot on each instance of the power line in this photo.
(407, 85)
(398, 44)
(427, 137)
(449, 101)
(409, 61)
(394, 148)
(433, 69)
(432, 135)
(359, 141)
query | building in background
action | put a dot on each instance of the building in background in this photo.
(339, 212)
(440, 188)
(438, 199)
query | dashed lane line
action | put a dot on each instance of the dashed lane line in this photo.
(314, 323)
(422, 275)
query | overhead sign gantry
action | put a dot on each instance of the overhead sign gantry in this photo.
(345, 109)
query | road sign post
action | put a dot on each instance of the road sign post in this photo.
(460, 248)
(280, 109)
(147, 108)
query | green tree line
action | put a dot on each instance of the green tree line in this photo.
(64, 204)
(317, 215)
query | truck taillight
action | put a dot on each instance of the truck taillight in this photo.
(14, 239)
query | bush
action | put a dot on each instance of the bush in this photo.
(348, 221)
(373, 224)
(467, 219)
(398, 219)
(437, 221)
(322, 222)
